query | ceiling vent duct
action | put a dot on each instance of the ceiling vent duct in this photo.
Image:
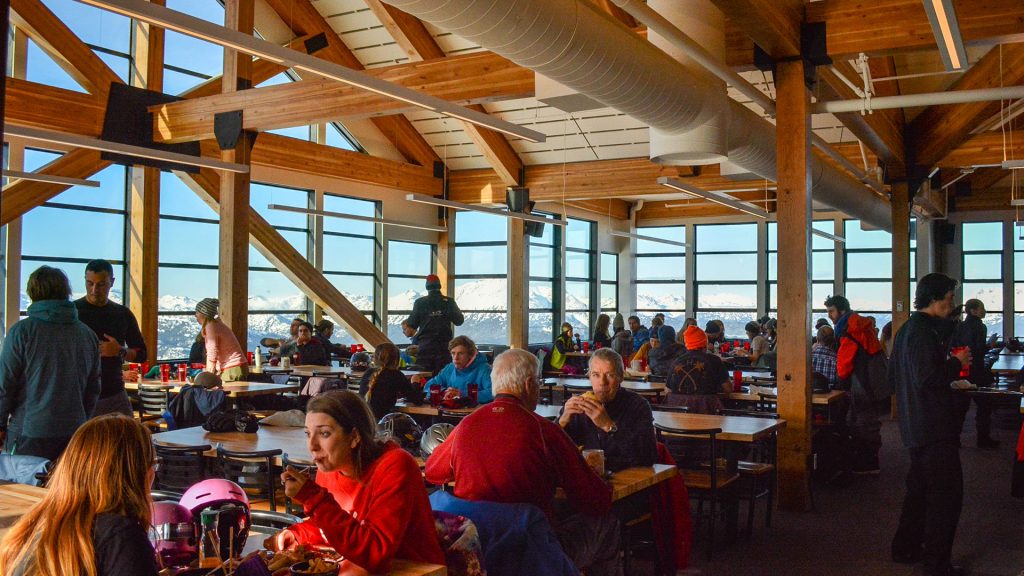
(587, 50)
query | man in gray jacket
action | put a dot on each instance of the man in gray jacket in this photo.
(49, 371)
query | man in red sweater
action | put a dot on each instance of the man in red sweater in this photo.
(504, 452)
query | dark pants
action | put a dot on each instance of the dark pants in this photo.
(592, 543)
(982, 415)
(865, 428)
(433, 360)
(931, 508)
(49, 448)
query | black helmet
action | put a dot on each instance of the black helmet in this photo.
(401, 428)
(434, 437)
(360, 362)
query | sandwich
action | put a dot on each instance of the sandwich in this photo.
(589, 395)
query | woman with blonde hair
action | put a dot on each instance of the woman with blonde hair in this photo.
(94, 518)
(224, 355)
(385, 383)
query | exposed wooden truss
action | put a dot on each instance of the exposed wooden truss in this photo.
(471, 78)
(773, 24)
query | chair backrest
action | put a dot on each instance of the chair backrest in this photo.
(252, 471)
(691, 447)
(267, 522)
(291, 506)
(179, 467)
(152, 400)
(164, 496)
(669, 408)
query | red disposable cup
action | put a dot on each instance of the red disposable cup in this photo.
(586, 346)
(352, 348)
(746, 345)
(965, 370)
(735, 343)
(251, 357)
(182, 371)
(296, 359)
(737, 381)
(473, 390)
(724, 348)
(361, 348)
(165, 372)
(435, 395)
(145, 367)
(133, 366)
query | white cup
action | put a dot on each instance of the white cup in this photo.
(634, 365)
(286, 362)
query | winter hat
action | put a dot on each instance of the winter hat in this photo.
(618, 323)
(433, 282)
(207, 380)
(666, 334)
(695, 338)
(208, 307)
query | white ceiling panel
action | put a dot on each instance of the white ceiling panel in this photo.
(331, 7)
(473, 163)
(574, 155)
(624, 151)
(618, 137)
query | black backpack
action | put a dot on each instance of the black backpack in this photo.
(871, 374)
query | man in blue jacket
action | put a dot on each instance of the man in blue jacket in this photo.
(49, 371)
(467, 367)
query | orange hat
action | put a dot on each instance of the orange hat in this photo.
(695, 338)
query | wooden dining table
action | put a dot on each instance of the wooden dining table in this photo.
(1008, 363)
(734, 428)
(231, 389)
(656, 389)
(291, 440)
(548, 411)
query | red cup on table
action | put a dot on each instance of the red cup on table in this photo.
(296, 359)
(746, 345)
(735, 343)
(182, 371)
(473, 390)
(352, 348)
(250, 356)
(145, 368)
(586, 347)
(435, 395)
(361, 347)
(965, 370)
(724, 348)
(737, 381)
(165, 372)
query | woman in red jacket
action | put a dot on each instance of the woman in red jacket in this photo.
(368, 501)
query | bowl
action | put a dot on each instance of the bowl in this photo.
(302, 569)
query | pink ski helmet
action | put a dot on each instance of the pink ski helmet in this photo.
(173, 534)
(213, 493)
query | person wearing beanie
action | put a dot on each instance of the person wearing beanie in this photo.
(697, 377)
(224, 355)
(618, 324)
(433, 317)
(667, 352)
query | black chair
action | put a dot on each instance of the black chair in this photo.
(252, 471)
(270, 523)
(669, 408)
(291, 506)
(696, 453)
(179, 467)
(152, 404)
(164, 496)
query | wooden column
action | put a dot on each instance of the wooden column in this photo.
(234, 198)
(444, 265)
(518, 285)
(794, 213)
(902, 299)
(11, 237)
(143, 287)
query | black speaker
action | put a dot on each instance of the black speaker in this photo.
(535, 229)
(946, 233)
(129, 121)
(517, 198)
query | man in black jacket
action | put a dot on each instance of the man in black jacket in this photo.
(973, 334)
(432, 317)
(929, 419)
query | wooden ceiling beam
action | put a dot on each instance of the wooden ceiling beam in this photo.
(881, 131)
(40, 106)
(939, 130)
(262, 70)
(773, 24)
(303, 18)
(610, 208)
(290, 262)
(697, 208)
(274, 151)
(471, 78)
(984, 148)
(885, 27)
(417, 42)
(61, 44)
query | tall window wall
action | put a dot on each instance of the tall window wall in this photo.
(868, 270)
(982, 253)
(661, 274)
(1018, 280)
(823, 268)
(545, 304)
(76, 226)
(351, 252)
(726, 270)
(580, 283)
(481, 275)
(409, 263)
(609, 283)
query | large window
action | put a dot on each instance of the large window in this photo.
(481, 276)
(1018, 280)
(188, 61)
(273, 299)
(661, 274)
(868, 271)
(982, 248)
(351, 252)
(580, 283)
(823, 268)
(726, 270)
(609, 283)
(409, 263)
(545, 305)
(76, 226)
